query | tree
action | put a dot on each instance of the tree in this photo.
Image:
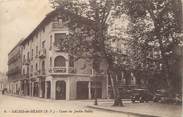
(155, 24)
(97, 14)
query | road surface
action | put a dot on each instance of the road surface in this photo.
(22, 107)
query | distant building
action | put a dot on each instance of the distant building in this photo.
(14, 69)
(3, 81)
(39, 68)
(125, 77)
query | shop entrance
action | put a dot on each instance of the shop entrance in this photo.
(48, 89)
(60, 90)
(42, 88)
(35, 92)
(82, 90)
(96, 90)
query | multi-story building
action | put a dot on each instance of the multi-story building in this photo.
(3, 81)
(125, 77)
(49, 72)
(14, 69)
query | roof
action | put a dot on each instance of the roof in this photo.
(16, 46)
(53, 13)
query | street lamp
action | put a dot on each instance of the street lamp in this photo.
(95, 91)
(96, 102)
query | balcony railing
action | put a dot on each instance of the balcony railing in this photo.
(14, 71)
(61, 70)
(42, 53)
(26, 75)
(56, 25)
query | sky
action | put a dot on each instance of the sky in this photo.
(18, 18)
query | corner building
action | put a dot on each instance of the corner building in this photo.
(48, 72)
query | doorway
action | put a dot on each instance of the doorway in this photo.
(48, 89)
(96, 90)
(82, 90)
(60, 90)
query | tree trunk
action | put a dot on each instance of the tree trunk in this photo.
(117, 98)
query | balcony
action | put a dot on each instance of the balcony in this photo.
(14, 71)
(57, 26)
(41, 73)
(61, 70)
(42, 53)
(26, 75)
(56, 48)
(36, 73)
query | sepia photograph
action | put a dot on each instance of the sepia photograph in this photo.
(91, 58)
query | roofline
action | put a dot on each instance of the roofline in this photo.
(37, 28)
(19, 43)
(47, 20)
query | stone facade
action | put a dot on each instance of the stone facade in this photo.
(14, 69)
(48, 72)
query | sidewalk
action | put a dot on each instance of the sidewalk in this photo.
(143, 109)
(44, 99)
(29, 97)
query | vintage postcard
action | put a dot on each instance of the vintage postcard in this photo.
(90, 58)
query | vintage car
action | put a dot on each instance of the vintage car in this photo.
(161, 96)
(141, 95)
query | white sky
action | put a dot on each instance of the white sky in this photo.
(17, 19)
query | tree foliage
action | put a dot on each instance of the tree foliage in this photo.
(91, 38)
(155, 25)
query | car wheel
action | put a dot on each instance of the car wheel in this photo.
(141, 100)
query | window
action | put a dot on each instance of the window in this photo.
(36, 50)
(24, 59)
(23, 71)
(50, 42)
(59, 37)
(27, 69)
(59, 61)
(43, 67)
(36, 67)
(43, 44)
(31, 68)
(50, 62)
(32, 54)
(43, 29)
(28, 56)
(59, 20)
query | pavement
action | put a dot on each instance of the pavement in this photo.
(11, 106)
(83, 108)
(150, 109)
